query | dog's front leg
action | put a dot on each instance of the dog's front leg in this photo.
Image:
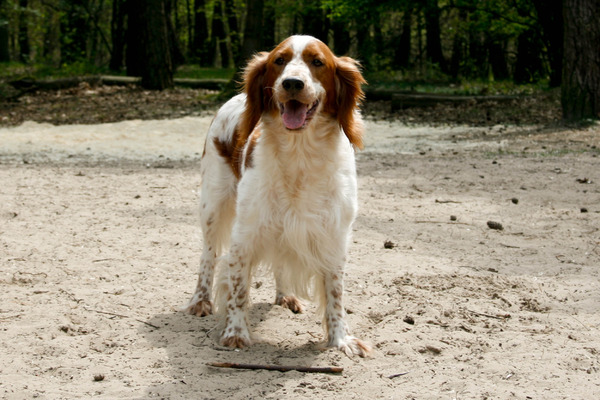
(337, 330)
(236, 332)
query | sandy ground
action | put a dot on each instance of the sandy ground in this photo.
(99, 247)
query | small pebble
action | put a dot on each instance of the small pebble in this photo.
(584, 210)
(495, 225)
(514, 200)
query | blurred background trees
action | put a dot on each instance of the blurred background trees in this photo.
(420, 40)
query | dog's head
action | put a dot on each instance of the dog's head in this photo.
(298, 80)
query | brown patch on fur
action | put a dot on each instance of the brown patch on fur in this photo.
(201, 308)
(349, 95)
(248, 161)
(342, 81)
(235, 341)
(290, 302)
(231, 151)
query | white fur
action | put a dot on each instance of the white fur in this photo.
(291, 210)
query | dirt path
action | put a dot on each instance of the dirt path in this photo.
(99, 246)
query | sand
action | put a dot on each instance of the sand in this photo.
(99, 247)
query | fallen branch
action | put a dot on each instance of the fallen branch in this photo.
(281, 368)
(123, 316)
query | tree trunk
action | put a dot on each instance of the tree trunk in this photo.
(234, 29)
(177, 57)
(218, 35)
(497, 58)
(341, 37)
(529, 67)
(253, 31)
(201, 45)
(268, 25)
(252, 43)
(156, 69)
(117, 28)
(313, 20)
(478, 56)
(459, 46)
(550, 17)
(190, 29)
(24, 49)
(134, 55)
(4, 54)
(433, 34)
(52, 49)
(580, 95)
(402, 52)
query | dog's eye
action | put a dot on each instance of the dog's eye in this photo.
(317, 63)
(280, 61)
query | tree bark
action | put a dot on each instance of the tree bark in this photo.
(117, 28)
(402, 52)
(134, 55)
(156, 69)
(313, 20)
(268, 26)
(433, 34)
(580, 90)
(4, 54)
(529, 67)
(497, 58)
(233, 28)
(341, 37)
(218, 35)
(177, 57)
(253, 31)
(24, 48)
(201, 46)
(550, 17)
(251, 44)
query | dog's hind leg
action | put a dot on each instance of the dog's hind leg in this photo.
(283, 298)
(217, 211)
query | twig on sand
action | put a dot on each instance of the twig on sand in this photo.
(500, 317)
(281, 368)
(397, 375)
(124, 316)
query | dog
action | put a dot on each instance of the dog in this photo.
(279, 188)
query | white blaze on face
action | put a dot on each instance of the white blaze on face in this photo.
(297, 107)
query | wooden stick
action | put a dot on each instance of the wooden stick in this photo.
(123, 316)
(281, 368)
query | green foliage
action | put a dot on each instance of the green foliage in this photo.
(436, 82)
(195, 72)
(13, 70)
(469, 31)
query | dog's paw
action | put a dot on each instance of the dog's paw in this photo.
(351, 346)
(235, 341)
(200, 308)
(290, 302)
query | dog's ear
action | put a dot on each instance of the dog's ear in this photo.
(349, 96)
(254, 87)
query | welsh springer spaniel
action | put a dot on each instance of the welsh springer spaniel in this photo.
(279, 187)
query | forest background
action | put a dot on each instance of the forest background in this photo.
(547, 44)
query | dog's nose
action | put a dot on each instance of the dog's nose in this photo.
(293, 85)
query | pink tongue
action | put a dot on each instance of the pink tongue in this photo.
(294, 114)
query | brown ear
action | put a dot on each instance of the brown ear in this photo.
(254, 78)
(349, 96)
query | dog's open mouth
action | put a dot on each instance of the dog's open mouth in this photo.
(296, 114)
